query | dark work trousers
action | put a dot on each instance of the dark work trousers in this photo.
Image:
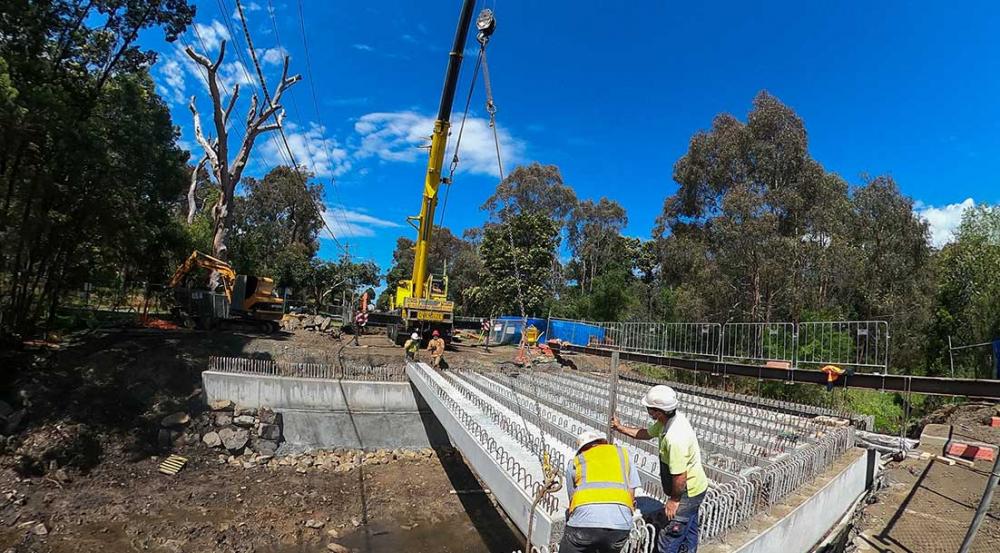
(592, 540)
(679, 535)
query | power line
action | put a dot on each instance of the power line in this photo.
(312, 88)
(227, 20)
(281, 132)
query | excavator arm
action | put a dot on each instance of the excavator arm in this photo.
(203, 260)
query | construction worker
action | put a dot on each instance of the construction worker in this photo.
(412, 346)
(601, 482)
(436, 347)
(681, 472)
(834, 372)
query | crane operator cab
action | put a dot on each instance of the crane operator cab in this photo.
(437, 287)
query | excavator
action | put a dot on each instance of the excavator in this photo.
(422, 300)
(245, 299)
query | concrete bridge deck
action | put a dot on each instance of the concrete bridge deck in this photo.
(779, 480)
(757, 458)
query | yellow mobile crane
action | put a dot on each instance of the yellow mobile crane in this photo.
(423, 300)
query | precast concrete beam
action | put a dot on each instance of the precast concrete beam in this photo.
(511, 494)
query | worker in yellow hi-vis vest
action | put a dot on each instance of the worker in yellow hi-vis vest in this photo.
(601, 482)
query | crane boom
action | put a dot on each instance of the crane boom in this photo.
(423, 299)
(435, 163)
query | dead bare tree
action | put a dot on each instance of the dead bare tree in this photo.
(227, 174)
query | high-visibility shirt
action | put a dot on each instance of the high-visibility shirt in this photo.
(680, 453)
(833, 372)
(412, 345)
(601, 476)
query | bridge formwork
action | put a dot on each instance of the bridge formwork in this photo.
(759, 458)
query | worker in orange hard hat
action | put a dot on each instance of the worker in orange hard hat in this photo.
(436, 348)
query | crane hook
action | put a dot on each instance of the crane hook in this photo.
(486, 25)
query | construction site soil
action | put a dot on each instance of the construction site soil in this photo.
(81, 475)
(80, 471)
(927, 505)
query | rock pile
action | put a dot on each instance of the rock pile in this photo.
(333, 460)
(316, 323)
(239, 429)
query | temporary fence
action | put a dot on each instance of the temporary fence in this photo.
(861, 344)
(349, 369)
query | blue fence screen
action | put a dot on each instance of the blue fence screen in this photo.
(996, 358)
(508, 329)
(575, 332)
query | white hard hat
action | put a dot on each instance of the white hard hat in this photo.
(414, 336)
(587, 437)
(660, 397)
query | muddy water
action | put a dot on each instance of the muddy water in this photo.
(454, 535)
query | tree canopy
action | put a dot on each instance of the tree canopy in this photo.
(89, 167)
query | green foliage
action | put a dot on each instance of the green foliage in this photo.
(91, 169)
(323, 281)
(517, 255)
(533, 188)
(968, 285)
(458, 255)
(277, 224)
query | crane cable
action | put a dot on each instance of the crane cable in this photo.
(281, 130)
(552, 482)
(461, 128)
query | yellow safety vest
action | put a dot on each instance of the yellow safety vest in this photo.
(601, 476)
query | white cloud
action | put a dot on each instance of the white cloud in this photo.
(251, 7)
(171, 84)
(943, 221)
(232, 73)
(311, 148)
(211, 35)
(348, 223)
(400, 136)
(272, 56)
(363, 47)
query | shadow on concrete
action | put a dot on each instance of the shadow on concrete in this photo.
(493, 527)
(885, 534)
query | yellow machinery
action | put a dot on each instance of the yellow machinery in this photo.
(423, 300)
(247, 298)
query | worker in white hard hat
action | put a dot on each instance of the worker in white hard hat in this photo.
(681, 472)
(601, 482)
(412, 346)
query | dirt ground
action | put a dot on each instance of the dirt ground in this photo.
(100, 490)
(208, 506)
(928, 505)
(99, 397)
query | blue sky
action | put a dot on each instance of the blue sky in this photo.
(611, 92)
